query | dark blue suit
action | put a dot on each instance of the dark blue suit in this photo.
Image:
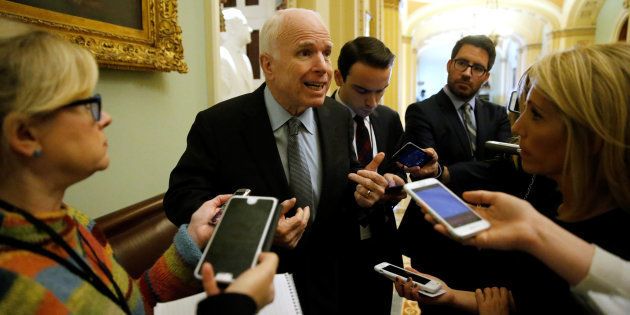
(231, 145)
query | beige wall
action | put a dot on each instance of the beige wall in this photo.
(152, 113)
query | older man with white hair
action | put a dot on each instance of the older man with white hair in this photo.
(289, 140)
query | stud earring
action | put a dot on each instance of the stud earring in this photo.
(37, 153)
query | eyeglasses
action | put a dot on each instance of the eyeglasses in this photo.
(92, 103)
(462, 64)
(513, 106)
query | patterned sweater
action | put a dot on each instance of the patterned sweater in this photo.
(34, 284)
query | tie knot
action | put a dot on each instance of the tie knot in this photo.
(294, 126)
(467, 107)
(359, 119)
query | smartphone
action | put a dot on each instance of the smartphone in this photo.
(246, 229)
(458, 218)
(239, 192)
(394, 190)
(391, 272)
(411, 155)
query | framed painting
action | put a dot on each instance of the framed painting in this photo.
(122, 34)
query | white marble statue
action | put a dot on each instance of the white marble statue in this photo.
(236, 70)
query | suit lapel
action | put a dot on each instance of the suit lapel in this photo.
(332, 148)
(379, 130)
(452, 119)
(327, 146)
(482, 119)
(261, 144)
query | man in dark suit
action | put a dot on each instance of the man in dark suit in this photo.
(286, 139)
(363, 74)
(440, 121)
(456, 124)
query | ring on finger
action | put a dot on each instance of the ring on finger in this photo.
(369, 192)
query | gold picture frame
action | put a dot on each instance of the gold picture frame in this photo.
(153, 42)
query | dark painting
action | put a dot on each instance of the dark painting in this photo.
(127, 13)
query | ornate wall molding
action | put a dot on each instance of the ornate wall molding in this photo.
(582, 31)
(157, 46)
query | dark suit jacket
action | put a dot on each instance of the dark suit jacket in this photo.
(435, 123)
(387, 131)
(227, 303)
(231, 145)
(383, 244)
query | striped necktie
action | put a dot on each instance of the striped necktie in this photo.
(299, 176)
(470, 126)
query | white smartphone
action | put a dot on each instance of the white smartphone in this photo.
(391, 272)
(458, 218)
(246, 229)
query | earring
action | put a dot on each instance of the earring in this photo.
(37, 153)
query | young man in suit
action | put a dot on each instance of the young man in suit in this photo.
(456, 124)
(363, 71)
(286, 140)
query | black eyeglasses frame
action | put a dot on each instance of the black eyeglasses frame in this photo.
(476, 69)
(93, 103)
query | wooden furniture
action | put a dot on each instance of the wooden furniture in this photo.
(139, 234)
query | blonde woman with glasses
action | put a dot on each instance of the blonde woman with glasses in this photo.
(52, 260)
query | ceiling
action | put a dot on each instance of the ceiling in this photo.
(525, 22)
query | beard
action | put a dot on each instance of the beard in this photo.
(459, 93)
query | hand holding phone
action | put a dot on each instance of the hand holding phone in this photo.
(239, 192)
(458, 218)
(246, 229)
(411, 155)
(256, 282)
(392, 272)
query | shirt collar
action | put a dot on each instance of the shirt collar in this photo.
(338, 99)
(456, 100)
(278, 116)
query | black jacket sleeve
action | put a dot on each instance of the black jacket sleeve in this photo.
(227, 303)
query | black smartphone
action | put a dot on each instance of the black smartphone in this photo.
(239, 192)
(411, 155)
(394, 190)
(246, 229)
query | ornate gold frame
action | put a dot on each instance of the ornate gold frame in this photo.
(158, 46)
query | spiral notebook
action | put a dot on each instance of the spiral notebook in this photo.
(285, 302)
(286, 299)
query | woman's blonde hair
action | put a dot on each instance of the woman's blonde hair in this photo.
(589, 85)
(40, 72)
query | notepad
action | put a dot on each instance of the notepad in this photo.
(286, 300)
(187, 305)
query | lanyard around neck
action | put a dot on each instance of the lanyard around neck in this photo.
(77, 265)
